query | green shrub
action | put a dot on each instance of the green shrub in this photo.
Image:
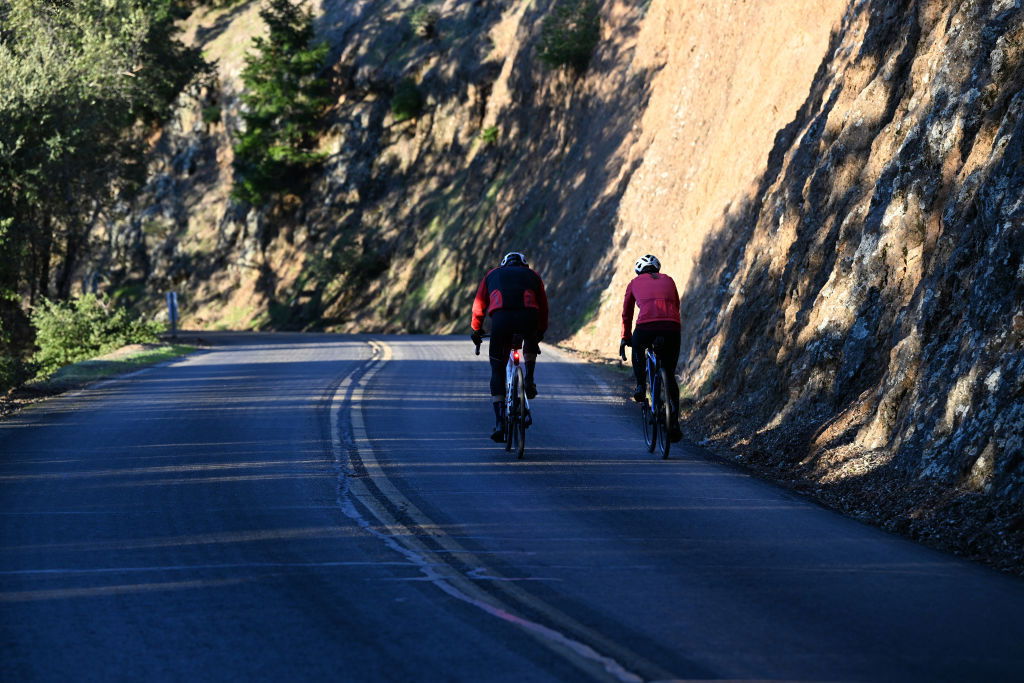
(89, 326)
(570, 34)
(407, 102)
(424, 21)
(212, 114)
(14, 372)
(489, 135)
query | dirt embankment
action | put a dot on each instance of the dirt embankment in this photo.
(835, 185)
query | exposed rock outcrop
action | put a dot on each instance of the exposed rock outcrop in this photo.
(860, 316)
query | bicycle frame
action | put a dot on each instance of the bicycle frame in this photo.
(653, 377)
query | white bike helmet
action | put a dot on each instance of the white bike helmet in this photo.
(513, 258)
(647, 263)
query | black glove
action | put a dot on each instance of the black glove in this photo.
(540, 337)
(622, 348)
(477, 337)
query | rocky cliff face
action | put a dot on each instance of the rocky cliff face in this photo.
(861, 316)
(860, 313)
(835, 185)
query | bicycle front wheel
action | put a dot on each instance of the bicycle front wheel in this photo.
(664, 416)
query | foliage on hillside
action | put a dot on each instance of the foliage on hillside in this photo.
(570, 34)
(284, 96)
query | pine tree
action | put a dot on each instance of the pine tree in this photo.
(283, 100)
(570, 33)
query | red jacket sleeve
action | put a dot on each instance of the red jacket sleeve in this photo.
(542, 308)
(627, 312)
(480, 306)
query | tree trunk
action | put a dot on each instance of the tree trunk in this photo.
(42, 255)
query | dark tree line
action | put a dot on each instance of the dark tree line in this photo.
(81, 84)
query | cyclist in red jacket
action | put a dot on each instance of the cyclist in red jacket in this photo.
(658, 300)
(513, 296)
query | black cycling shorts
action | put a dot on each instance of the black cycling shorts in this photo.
(505, 324)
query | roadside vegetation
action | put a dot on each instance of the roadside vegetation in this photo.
(79, 341)
(109, 365)
(85, 327)
(83, 85)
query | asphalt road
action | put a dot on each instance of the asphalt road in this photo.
(319, 507)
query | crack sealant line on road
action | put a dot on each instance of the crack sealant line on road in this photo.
(352, 454)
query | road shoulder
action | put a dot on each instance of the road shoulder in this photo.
(81, 375)
(959, 522)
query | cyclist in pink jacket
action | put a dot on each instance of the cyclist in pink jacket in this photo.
(658, 300)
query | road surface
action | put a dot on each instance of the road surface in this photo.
(321, 507)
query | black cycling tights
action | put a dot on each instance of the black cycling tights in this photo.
(669, 355)
(505, 324)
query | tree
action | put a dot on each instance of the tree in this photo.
(81, 83)
(570, 34)
(283, 100)
(75, 80)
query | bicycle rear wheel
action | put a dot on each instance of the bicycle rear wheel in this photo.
(664, 416)
(518, 434)
(510, 403)
(650, 426)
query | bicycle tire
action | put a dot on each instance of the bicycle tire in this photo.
(510, 402)
(650, 424)
(650, 428)
(664, 416)
(520, 426)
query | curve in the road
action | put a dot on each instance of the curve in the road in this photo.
(366, 485)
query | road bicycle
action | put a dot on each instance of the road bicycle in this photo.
(516, 411)
(656, 408)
